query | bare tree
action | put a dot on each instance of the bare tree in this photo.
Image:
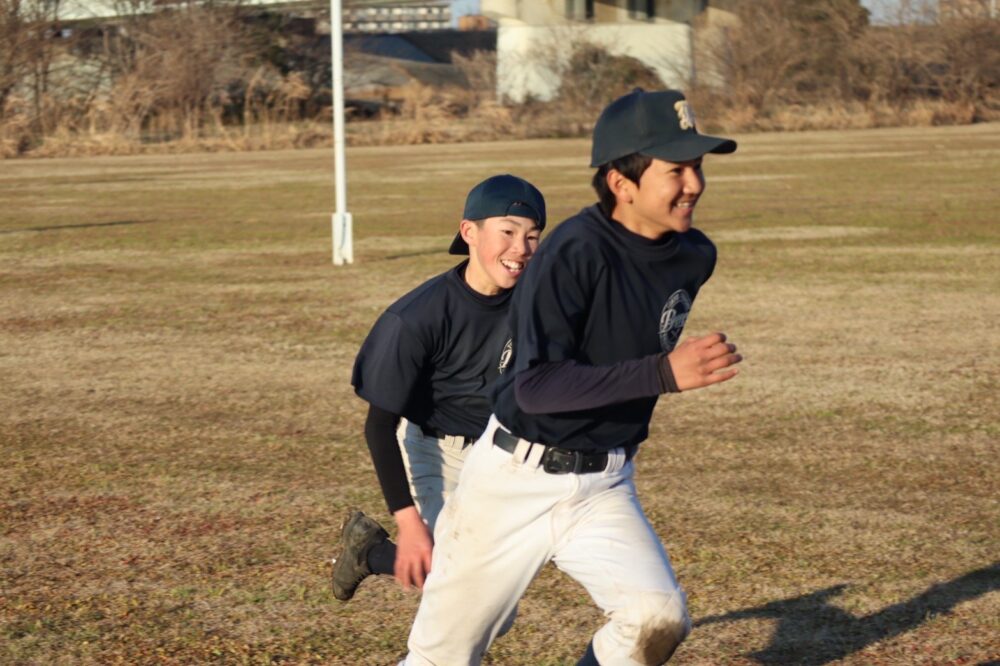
(970, 74)
(173, 65)
(28, 33)
(785, 51)
(16, 42)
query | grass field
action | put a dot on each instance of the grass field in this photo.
(180, 441)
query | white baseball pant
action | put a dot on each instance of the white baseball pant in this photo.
(506, 519)
(432, 467)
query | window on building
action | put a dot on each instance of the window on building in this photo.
(642, 9)
(580, 10)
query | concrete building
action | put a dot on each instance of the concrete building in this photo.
(359, 16)
(968, 9)
(382, 17)
(535, 39)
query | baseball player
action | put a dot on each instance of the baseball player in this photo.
(595, 325)
(424, 369)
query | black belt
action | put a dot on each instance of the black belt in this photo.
(433, 432)
(561, 461)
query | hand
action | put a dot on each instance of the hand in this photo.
(696, 361)
(413, 548)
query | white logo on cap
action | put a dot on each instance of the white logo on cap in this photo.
(685, 116)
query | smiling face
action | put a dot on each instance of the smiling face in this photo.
(662, 201)
(499, 250)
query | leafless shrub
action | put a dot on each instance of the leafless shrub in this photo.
(818, 64)
(592, 76)
(971, 72)
(588, 76)
(29, 44)
(428, 114)
(781, 52)
(15, 127)
(480, 72)
(181, 63)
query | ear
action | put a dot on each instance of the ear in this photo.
(623, 188)
(469, 231)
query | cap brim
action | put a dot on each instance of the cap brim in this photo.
(458, 246)
(690, 147)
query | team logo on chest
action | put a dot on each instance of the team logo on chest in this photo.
(506, 355)
(672, 319)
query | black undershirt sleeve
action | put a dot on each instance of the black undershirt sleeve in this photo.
(568, 386)
(380, 433)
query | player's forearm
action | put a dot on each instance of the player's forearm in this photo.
(569, 386)
(380, 433)
(408, 520)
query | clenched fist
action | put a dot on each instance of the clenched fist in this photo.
(697, 362)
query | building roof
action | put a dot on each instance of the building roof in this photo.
(78, 10)
(387, 46)
(368, 3)
(429, 47)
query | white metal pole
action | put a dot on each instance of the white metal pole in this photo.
(343, 245)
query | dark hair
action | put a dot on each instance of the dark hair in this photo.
(631, 166)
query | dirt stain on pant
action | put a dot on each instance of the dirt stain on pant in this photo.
(661, 633)
(657, 643)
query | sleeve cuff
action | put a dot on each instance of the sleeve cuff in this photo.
(667, 382)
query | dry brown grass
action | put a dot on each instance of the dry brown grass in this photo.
(180, 438)
(844, 115)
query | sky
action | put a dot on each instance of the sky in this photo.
(895, 11)
(463, 7)
(880, 9)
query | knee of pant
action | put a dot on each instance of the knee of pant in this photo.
(656, 623)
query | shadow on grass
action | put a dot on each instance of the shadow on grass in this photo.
(87, 225)
(812, 632)
(407, 255)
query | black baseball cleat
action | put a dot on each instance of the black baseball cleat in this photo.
(357, 537)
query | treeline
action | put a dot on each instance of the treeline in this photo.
(215, 75)
(208, 72)
(794, 64)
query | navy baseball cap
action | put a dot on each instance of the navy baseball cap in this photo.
(498, 196)
(658, 124)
